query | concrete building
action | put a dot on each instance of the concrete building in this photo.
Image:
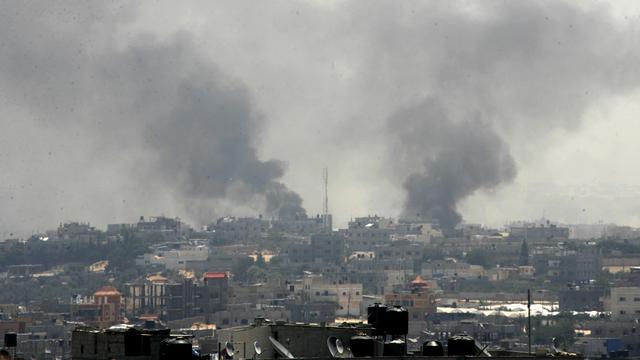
(301, 225)
(102, 310)
(214, 294)
(298, 253)
(243, 314)
(347, 296)
(366, 238)
(623, 302)
(581, 298)
(262, 293)
(162, 227)
(77, 232)
(419, 302)
(535, 233)
(450, 268)
(328, 248)
(175, 256)
(312, 312)
(579, 264)
(118, 343)
(302, 340)
(157, 295)
(239, 230)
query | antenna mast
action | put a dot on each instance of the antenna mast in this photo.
(325, 179)
(325, 204)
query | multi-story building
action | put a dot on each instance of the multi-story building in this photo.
(301, 224)
(103, 309)
(623, 302)
(419, 302)
(77, 232)
(244, 314)
(175, 256)
(156, 295)
(534, 233)
(164, 227)
(328, 247)
(214, 294)
(579, 264)
(450, 268)
(348, 296)
(120, 343)
(262, 293)
(239, 230)
(366, 238)
(581, 298)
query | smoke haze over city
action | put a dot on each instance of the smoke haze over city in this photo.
(485, 111)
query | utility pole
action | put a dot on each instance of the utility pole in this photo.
(529, 318)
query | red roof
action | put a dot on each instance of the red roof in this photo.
(215, 275)
(107, 291)
(419, 281)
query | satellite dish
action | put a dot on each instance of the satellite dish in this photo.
(229, 350)
(280, 349)
(257, 350)
(337, 348)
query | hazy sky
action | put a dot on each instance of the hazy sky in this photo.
(113, 111)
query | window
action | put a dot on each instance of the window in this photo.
(622, 298)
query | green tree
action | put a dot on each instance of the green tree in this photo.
(479, 257)
(524, 253)
(241, 267)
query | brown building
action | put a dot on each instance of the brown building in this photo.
(102, 310)
(418, 301)
(214, 294)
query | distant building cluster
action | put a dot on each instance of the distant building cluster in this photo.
(160, 273)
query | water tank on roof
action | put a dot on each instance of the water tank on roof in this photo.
(178, 348)
(362, 346)
(461, 345)
(432, 348)
(394, 348)
(375, 318)
(396, 320)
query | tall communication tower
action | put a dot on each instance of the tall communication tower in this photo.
(326, 218)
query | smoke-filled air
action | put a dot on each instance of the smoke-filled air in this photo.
(111, 110)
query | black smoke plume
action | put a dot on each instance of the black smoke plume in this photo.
(459, 159)
(184, 127)
(484, 83)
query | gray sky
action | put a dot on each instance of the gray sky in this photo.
(92, 96)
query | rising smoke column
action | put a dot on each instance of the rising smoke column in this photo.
(160, 107)
(459, 159)
(485, 83)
